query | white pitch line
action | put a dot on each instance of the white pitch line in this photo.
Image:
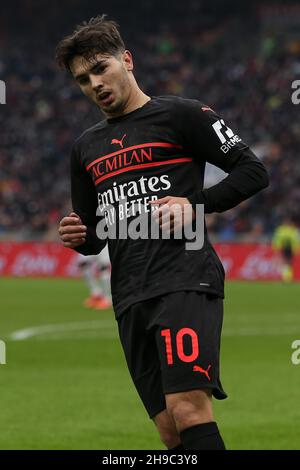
(84, 335)
(59, 330)
(21, 335)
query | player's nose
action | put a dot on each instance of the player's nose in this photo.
(96, 81)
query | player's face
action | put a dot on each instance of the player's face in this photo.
(106, 80)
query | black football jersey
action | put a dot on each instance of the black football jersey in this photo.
(119, 165)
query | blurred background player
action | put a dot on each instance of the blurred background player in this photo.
(95, 270)
(286, 241)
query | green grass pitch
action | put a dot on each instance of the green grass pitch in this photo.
(66, 385)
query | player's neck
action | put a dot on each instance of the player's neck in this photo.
(136, 100)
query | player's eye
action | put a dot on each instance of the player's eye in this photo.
(83, 81)
(99, 69)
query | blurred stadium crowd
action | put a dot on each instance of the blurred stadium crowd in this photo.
(240, 62)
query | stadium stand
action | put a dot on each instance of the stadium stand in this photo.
(241, 64)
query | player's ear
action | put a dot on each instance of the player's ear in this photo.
(128, 61)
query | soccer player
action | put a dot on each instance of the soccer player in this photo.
(150, 152)
(287, 242)
(95, 270)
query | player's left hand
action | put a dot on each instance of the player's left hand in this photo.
(173, 213)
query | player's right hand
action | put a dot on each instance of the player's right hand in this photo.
(71, 230)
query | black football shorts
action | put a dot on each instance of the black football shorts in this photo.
(172, 344)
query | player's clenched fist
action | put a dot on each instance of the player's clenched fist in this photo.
(71, 230)
(173, 213)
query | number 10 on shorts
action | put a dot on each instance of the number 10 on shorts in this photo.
(179, 345)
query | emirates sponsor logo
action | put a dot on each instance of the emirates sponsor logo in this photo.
(132, 189)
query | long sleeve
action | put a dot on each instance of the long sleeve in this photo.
(208, 138)
(84, 202)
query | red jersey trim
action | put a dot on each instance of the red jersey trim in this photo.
(134, 147)
(142, 165)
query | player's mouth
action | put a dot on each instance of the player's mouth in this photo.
(105, 98)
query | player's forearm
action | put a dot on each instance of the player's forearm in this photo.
(247, 178)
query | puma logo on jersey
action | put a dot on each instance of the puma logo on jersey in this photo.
(202, 371)
(206, 108)
(119, 142)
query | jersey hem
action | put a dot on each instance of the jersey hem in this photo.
(121, 308)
